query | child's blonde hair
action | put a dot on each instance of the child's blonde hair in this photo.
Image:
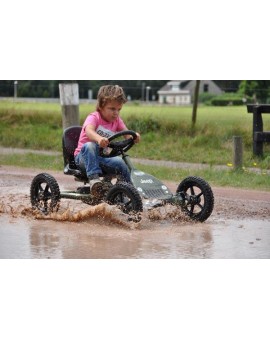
(108, 93)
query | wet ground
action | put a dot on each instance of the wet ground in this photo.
(238, 228)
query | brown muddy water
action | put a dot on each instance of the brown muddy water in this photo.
(112, 237)
(239, 227)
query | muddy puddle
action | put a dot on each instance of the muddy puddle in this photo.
(103, 232)
(239, 227)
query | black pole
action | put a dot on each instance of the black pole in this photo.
(195, 102)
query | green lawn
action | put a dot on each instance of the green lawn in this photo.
(166, 132)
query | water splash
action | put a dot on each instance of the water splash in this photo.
(102, 211)
(73, 212)
(167, 212)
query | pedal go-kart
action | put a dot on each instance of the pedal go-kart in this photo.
(194, 196)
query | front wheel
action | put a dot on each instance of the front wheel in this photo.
(198, 198)
(126, 197)
(45, 193)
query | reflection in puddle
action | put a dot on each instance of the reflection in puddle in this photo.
(99, 239)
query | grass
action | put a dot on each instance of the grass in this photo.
(229, 177)
(166, 132)
(238, 179)
(32, 160)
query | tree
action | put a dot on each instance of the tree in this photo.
(257, 89)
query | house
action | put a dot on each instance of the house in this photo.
(180, 92)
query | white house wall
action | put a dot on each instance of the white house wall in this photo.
(173, 93)
(175, 99)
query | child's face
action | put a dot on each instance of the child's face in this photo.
(111, 110)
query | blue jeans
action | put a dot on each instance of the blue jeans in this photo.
(89, 160)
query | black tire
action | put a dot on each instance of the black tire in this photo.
(199, 198)
(45, 193)
(126, 197)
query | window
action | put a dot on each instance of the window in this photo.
(205, 88)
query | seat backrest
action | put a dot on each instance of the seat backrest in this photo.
(70, 140)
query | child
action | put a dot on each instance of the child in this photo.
(97, 128)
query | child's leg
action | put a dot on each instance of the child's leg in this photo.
(89, 160)
(115, 166)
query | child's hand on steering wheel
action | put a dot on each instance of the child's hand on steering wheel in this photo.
(137, 140)
(103, 142)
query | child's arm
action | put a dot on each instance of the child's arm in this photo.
(90, 131)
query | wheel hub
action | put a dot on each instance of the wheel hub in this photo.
(193, 199)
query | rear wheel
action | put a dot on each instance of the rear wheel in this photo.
(45, 193)
(199, 198)
(126, 197)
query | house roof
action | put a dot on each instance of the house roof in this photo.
(180, 83)
(178, 86)
(174, 87)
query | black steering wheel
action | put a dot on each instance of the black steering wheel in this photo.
(118, 148)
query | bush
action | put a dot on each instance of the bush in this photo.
(228, 99)
(206, 98)
(142, 124)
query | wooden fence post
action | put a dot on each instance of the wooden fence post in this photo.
(69, 100)
(237, 152)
